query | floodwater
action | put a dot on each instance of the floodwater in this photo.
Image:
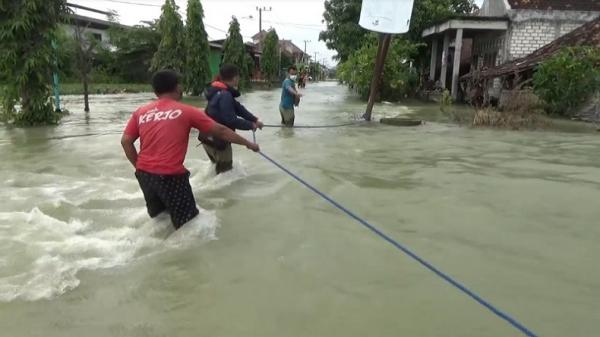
(515, 216)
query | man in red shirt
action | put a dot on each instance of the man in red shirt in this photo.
(163, 127)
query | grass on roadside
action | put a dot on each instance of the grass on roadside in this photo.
(76, 89)
(104, 88)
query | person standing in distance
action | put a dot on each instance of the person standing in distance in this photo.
(163, 128)
(289, 97)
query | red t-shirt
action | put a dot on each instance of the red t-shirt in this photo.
(163, 127)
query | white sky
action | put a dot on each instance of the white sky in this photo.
(297, 20)
(293, 19)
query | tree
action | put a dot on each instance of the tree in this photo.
(250, 67)
(270, 56)
(356, 46)
(398, 81)
(85, 46)
(66, 55)
(428, 12)
(197, 70)
(170, 53)
(314, 69)
(27, 29)
(234, 52)
(286, 61)
(343, 34)
(134, 50)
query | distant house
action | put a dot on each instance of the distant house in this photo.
(259, 38)
(216, 57)
(287, 47)
(292, 51)
(586, 35)
(502, 31)
(99, 29)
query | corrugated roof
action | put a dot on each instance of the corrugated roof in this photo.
(90, 22)
(586, 35)
(561, 5)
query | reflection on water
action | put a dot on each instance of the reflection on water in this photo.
(513, 215)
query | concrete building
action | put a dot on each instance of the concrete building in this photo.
(96, 27)
(502, 31)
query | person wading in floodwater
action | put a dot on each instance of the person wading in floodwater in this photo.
(290, 97)
(163, 127)
(225, 109)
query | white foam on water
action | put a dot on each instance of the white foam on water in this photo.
(79, 193)
(41, 255)
(208, 180)
(203, 227)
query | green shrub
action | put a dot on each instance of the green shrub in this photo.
(568, 79)
(399, 79)
(446, 101)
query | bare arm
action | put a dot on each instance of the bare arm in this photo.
(292, 91)
(225, 133)
(130, 151)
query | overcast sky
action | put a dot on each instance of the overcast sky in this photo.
(297, 20)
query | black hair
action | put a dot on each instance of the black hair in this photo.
(228, 72)
(165, 81)
(290, 68)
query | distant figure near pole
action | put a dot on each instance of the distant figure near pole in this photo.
(290, 97)
(303, 78)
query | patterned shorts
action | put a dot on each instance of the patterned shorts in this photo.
(170, 193)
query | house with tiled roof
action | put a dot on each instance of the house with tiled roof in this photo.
(500, 32)
(287, 47)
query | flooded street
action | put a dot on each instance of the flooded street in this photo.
(513, 215)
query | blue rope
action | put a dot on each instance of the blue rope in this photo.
(407, 251)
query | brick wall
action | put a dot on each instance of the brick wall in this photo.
(568, 27)
(532, 29)
(528, 36)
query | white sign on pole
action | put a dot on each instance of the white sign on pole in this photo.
(386, 16)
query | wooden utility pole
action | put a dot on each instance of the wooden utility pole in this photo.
(384, 45)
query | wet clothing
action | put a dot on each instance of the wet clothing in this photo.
(287, 116)
(163, 127)
(225, 109)
(222, 158)
(287, 98)
(171, 193)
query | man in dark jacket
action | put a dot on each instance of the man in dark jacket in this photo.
(225, 109)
